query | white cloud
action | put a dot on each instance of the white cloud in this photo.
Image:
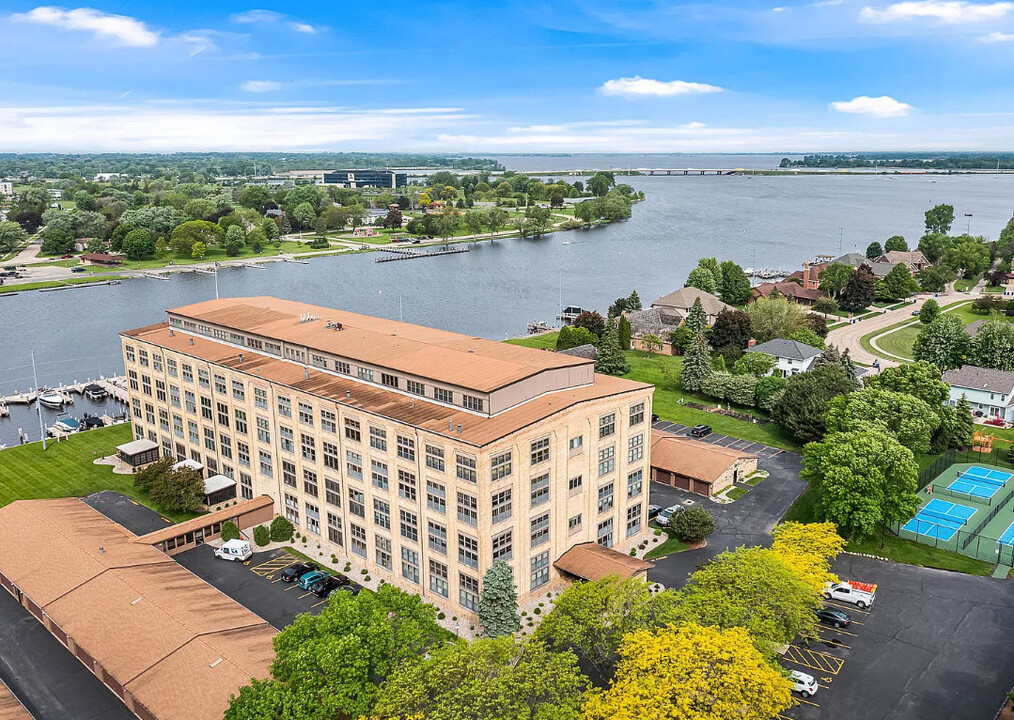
(780, 9)
(997, 37)
(946, 11)
(303, 28)
(121, 29)
(260, 86)
(258, 17)
(883, 106)
(638, 86)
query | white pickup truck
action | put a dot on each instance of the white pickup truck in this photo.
(859, 594)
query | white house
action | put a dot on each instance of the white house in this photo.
(989, 392)
(6, 188)
(791, 356)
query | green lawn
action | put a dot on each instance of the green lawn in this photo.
(544, 341)
(734, 493)
(963, 285)
(65, 469)
(57, 283)
(900, 342)
(671, 545)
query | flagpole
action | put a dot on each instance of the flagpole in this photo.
(38, 404)
(216, 281)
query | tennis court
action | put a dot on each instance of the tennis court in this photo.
(979, 482)
(939, 519)
(1008, 536)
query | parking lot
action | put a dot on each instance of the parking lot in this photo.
(763, 451)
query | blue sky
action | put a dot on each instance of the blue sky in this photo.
(561, 76)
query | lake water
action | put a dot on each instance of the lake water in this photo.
(497, 288)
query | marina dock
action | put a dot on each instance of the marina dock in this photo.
(114, 386)
(408, 254)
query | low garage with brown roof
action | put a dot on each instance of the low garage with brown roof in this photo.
(699, 467)
(591, 561)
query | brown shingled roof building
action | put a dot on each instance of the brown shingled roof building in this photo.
(699, 467)
(164, 641)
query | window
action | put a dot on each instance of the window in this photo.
(163, 420)
(312, 519)
(605, 533)
(540, 451)
(206, 408)
(284, 407)
(289, 473)
(501, 466)
(191, 401)
(384, 558)
(240, 416)
(406, 448)
(261, 398)
(445, 396)
(160, 390)
(291, 509)
(220, 385)
(288, 439)
(633, 519)
(636, 414)
(178, 425)
(389, 380)
(331, 457)
(378, 439)
(409, 525)
(634, 482)
(465, 468)
(156, 363)
(470, 402)
(171, 367)
(575, 485)
(129, 350)
(406, 485)
(635, 448)
(540, 570)
(174, 396)
(143, 355)
(576, 444)
(328, 421)
(132, 374)
(607, 460)
(502, 506)
(606, 497)
(574, 524)
(436, 537)
(246, 486)
(358, 539)
(192, 432)
(263, 434)
(342, 367)
(365, 374)
(209, 439)
(378, 474)
(607, 425)
(305, 414)
(382, 513)
(540, 489)
(309, 447)
(357, 502)
(223, 414)
(468, 551)
(352, 431)
(468, 591)
(334, 529)
(467, 509)
(203, 378)
(146, 385)
(416, 388)
(238, 393)
(310, 483)
(243, 452)
(540, 530)
(436, 497)
(332, 492)
(438, 578)
(354, 465)
(188, 373)
(503, 546)
(435, 458)
(318, 360)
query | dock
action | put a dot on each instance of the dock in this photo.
(407, 254)
(115, 386)
(155, 276)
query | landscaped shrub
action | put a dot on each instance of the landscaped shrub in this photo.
(230, 531)
(261, 535)
(281, 529)
(692, 524)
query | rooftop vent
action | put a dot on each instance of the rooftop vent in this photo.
(191, 341)
(334, 325)
(136, 600)
(308, 317)
(348, 394)
(216, 663)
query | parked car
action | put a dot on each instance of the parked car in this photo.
(861, 595)
(664, 516)
(325, 586)
(77, 269)
(653, 511)
(66, 257)
(235, 550)
(832, 616)
(296, 571)
(700, 431)
(310, 578)
(802, 683)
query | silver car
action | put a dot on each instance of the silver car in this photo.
(663, 517)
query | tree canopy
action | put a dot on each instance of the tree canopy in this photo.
(805, 399)
(943, 342)
(904, 416)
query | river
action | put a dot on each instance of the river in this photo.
(497, 288)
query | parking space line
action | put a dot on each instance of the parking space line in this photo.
(305, 595)
(291, 587)
(835, 642)
(850, 608)
(807, 702)
(813, 659)
(322, 602)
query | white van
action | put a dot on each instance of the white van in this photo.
(235, 550)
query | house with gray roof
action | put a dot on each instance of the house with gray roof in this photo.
(588, 352)
(651, 321)
(989, 392)
(853, 260)
(791, 356)
(677, 304)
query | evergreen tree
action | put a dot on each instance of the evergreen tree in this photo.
(697, 319)
(874, 250)
(696, 364)
(634, 301)
(963, 426)
(623, 329)
(498, 603)
(831, 356)
(735, 285)
(610, 360)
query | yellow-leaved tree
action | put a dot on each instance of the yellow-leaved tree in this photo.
(691, 673)
(809, 549)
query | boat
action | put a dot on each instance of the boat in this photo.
(51, 398)
(94, 391)
(566, 242)
(91, 422)
(65, 423)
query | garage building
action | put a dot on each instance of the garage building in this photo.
(699, 467)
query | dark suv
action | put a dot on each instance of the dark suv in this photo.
(699, 431)
(323, 588)
(294, 572)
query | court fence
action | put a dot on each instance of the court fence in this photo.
(967, 543)
(952, 457)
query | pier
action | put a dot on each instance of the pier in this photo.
(115, 386)
(408, 254)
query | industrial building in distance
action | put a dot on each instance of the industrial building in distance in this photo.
(366, 178)
(424, 454)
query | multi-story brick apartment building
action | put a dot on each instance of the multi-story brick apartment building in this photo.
(425, 454)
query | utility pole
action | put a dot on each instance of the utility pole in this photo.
(841, 234)
(38, 405)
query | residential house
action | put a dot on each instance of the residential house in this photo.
(587, 351)
(651, 321)
(677, 304)
(809, 276)
(789, 289)
(791, 356)
(853, 260)
(990, 392)
(699, 467)
(914, 259)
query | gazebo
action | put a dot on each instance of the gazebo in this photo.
(219, 489)
(138, 452)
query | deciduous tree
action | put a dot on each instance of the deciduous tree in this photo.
(834, 277)
(929, 311)
(969, 257)
(757, 364)
(993, 346)
(943, 342)
(874, 250)
(731, 333)
(860, 290)
(895, 243)
(177, 490)
(735, 285)
(934, 245)
(185, 235)
(809, 549)
(775, 317)
(904, 416)
(939, 219)
(703, 279)
(808, 337)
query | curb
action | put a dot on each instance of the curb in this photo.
(865, 555)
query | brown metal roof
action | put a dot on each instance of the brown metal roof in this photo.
(690, 458)
(180, 646)
(469, 362)
(162, 534)
(591, 561)
(440, 419)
